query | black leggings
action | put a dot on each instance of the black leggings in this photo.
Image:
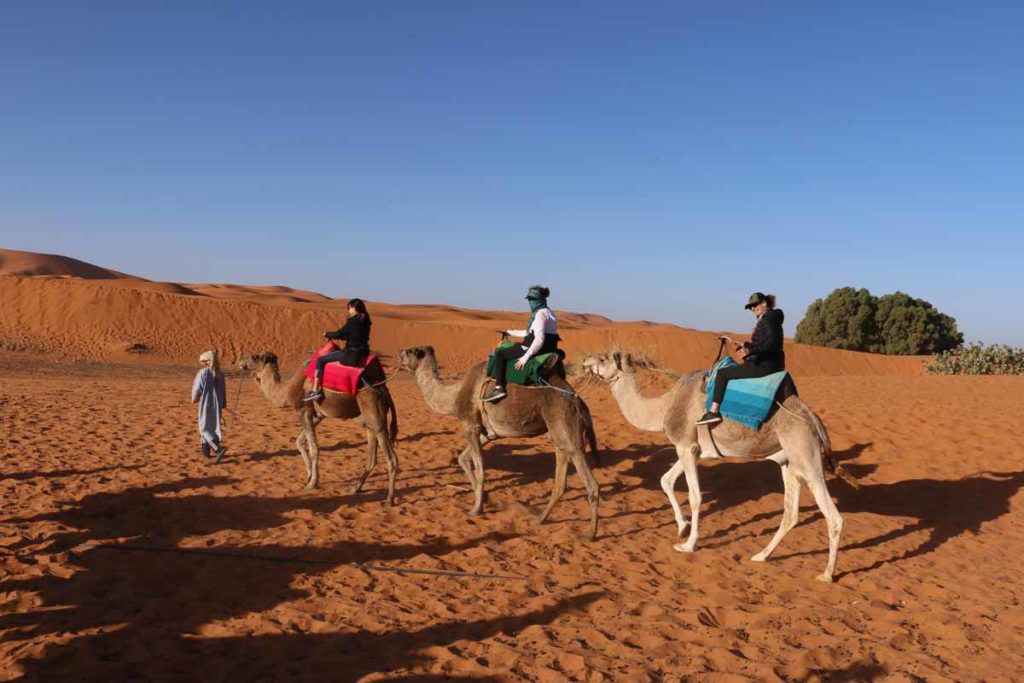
(350, 357)
(745, 371)
(501, 359)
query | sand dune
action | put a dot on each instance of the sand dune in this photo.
(79, 319)
(124, 554)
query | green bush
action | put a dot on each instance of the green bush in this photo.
(894, 324)
(978, 359)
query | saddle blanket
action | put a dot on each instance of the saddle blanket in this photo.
(532, 373)
(747, 401)
(338, 377)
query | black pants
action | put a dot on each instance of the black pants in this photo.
(350, 357)
(501, 359)
(745, 371)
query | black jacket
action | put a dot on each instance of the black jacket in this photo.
(355, 332)
(765, 345)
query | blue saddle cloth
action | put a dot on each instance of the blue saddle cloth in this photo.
(746, 401)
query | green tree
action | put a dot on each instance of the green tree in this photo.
(845, 319)
(910, 326)
(895, 324)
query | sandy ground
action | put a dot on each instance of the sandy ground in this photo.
(124, 554)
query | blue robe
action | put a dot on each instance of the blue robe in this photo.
(212, 396)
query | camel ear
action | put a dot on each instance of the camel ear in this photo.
(617, 357)
(628, 360)
(429, 350)
(419, 352)
(270, 358)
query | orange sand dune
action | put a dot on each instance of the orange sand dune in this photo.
(78, 319)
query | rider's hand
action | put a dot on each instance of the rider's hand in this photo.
(521, 363)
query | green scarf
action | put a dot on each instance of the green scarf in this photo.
(535, 306)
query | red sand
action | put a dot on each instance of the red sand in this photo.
(238, 573)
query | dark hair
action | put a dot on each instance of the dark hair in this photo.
(542, 290)
(360, 307)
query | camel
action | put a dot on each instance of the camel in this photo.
(794, 437)
(525, 412)
(370, 406)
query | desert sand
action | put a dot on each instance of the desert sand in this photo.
(124, 554)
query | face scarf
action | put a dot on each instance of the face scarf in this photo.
(537, 302)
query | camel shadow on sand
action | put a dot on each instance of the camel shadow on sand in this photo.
(141, 613)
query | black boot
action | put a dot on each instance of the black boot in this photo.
(497, 393)
(710, 418)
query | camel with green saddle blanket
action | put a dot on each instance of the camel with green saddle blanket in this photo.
(555, 409)
(536, 371)
(793, 436)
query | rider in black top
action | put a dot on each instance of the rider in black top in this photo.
(762, 355)
(356, 333)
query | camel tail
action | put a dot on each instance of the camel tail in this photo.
(589, 434)
(393, 426)
(827, 459)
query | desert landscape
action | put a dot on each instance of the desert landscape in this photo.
(125, 554)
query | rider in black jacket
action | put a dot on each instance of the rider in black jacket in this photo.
(762, 355)
(356, 333)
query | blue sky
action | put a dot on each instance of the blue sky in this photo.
(646, 160)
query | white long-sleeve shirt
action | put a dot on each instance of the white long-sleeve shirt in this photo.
(544, 323)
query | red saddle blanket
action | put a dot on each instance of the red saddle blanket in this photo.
(338, 377)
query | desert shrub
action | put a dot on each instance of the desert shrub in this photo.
(979, 359)
(894, 324)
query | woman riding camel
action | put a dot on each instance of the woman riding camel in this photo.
(540, 336)
(356, 334)
(761, 356)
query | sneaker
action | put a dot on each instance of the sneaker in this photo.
(497, 393)
(710, 419)
(314, 396)
(220, 454)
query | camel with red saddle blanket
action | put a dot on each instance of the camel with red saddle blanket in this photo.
(370, 404)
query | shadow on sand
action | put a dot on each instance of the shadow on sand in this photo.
(138, 614)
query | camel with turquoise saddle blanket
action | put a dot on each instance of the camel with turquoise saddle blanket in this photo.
(792, 436)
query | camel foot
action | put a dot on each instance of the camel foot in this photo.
(309, 487)
(824, 577)
(589, 537)
(760, 557)
(538, 520)
(684, 547)
(389, 503)
(475, 513)
(356, 489)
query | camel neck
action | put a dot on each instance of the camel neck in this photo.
(642, 412)
(440, 397)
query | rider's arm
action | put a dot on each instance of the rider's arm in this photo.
(538, 334)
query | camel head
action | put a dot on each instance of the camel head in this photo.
(411, 358)
(609, 366)
(256, 362)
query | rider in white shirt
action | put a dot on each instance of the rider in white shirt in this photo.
(540, 336)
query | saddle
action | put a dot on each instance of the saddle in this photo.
(343, 378)
(542, 366)
(753, 401)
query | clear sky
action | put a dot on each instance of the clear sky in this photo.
(646, 160)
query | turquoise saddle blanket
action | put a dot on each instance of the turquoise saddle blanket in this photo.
(747, 401)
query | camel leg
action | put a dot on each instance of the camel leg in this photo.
(561, 473)
(668, 485)
(579, 461)
(371, 460)
(688, 456)
(300, 443)
(832, 518)
(309, 426)
(790, 511)
(466, 463)
(389, 452)
(477, 478)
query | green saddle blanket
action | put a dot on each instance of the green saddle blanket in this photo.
(534, 370)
